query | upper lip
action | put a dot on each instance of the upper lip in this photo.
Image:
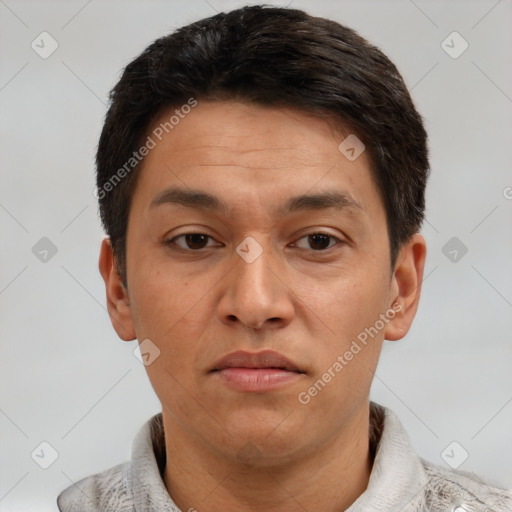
(263, 359)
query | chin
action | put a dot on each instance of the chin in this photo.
(266, 440)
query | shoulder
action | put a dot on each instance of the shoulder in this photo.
(134, 485)
(107, 491)
(447, 489)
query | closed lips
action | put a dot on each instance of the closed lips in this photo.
(259, 360)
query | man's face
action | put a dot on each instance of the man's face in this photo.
(257, 280)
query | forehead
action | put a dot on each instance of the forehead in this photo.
(252, 133)
(252, 153)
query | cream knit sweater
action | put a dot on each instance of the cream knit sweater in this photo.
(400, 480)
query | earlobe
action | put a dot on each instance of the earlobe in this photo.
(406, 287)
(118, 302)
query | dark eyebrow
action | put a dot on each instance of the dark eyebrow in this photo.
(190, 198)
(205, 201)
(319, 201)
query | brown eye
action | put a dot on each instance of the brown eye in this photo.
(193, 241)
(319, 241)
(196, 240)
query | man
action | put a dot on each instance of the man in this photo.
(261, 177)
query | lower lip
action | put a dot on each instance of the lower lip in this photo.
(257, 379)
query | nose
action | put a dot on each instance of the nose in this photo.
(256, 294)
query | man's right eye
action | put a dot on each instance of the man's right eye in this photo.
(190, 241)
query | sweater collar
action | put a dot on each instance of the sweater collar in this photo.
(397, 475)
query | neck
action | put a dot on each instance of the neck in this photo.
(335, 474)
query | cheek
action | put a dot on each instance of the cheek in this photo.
(168, 310)
(347, 353)
(345, 314)
(345, 305)
(171, 317)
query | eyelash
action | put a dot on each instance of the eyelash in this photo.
(171, 241)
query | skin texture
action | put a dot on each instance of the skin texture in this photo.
(232, 450)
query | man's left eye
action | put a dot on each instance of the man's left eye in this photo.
(319, 241)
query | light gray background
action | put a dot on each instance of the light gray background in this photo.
(65, 376)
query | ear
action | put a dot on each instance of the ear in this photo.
(406, 287)
(118, 302)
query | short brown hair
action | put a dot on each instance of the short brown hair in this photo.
(275, 57)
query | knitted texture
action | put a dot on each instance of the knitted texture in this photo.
(400, 481)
